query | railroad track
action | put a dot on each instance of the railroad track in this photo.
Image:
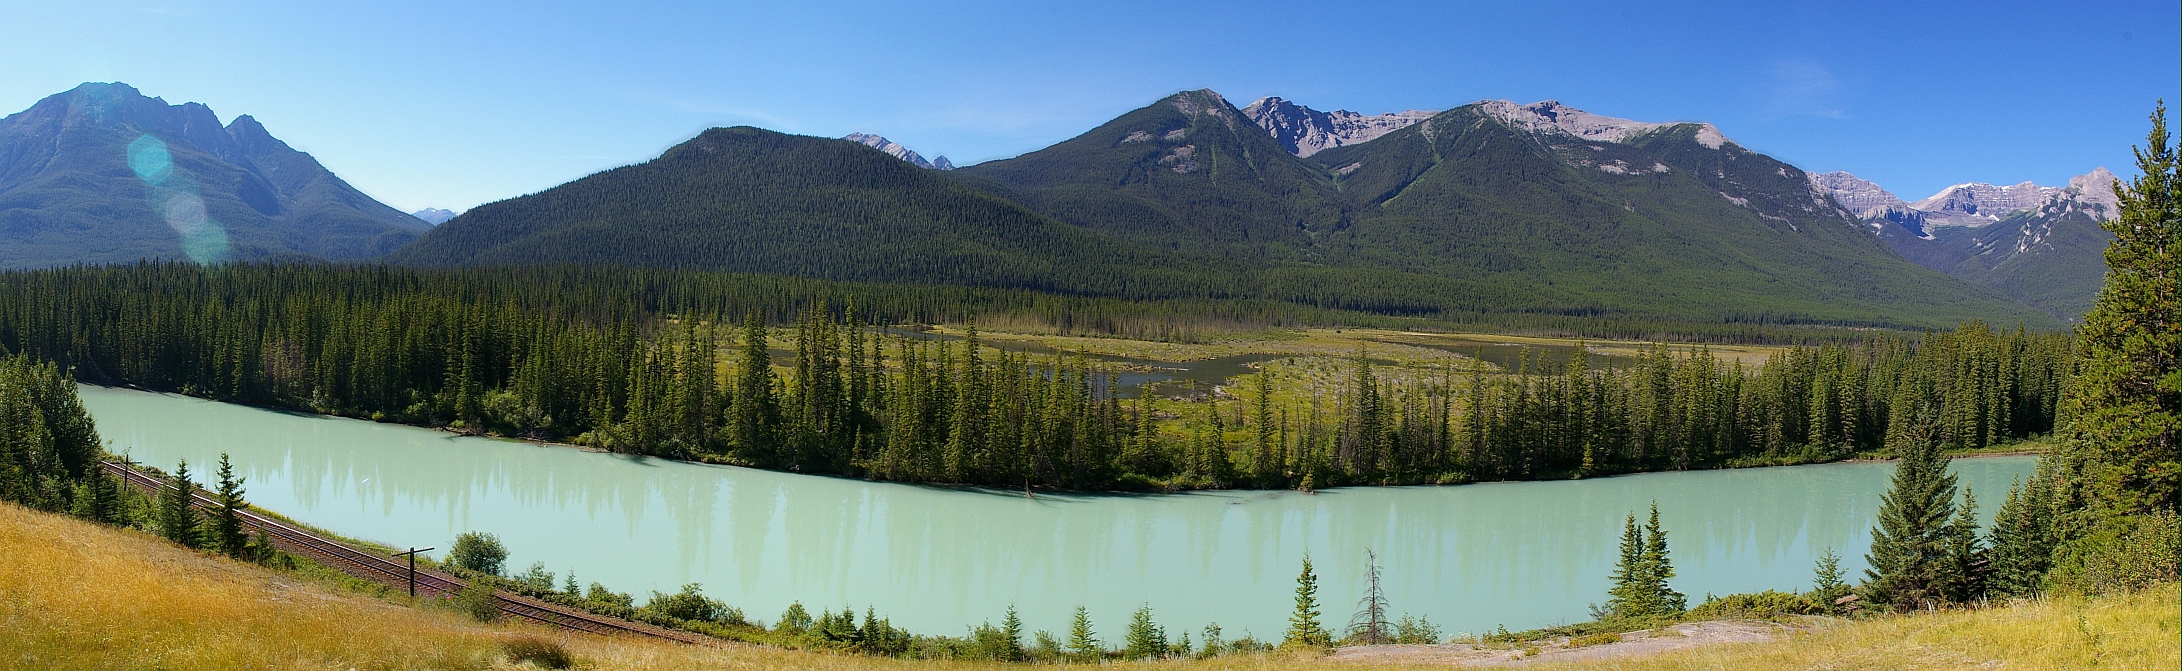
(386, 571)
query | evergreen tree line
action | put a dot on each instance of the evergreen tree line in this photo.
(1669, 411)
(657, 367)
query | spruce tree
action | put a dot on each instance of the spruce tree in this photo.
(178, 521)
(1304, 630)
(1827, 585)
(1369, 625)
(1967, 563)
(2022, 538)
(1083, 644)
(1145, 638)
(1631, 595)
(227, 532)
(1012, 626)
(1910, 548)
(98, 499)
(2117, 453)
(1659, 566)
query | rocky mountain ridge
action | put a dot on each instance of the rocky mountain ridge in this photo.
(896, 150)
(104, 174)
(2041, 245)
(1305, 131)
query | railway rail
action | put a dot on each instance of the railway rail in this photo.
(370, 566)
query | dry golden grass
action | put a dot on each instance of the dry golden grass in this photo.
(2140, 631)
(79, 596)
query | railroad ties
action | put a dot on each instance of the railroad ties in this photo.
(386, 571)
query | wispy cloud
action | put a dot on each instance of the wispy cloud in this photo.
(1802, 87)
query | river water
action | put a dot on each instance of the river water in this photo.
(937, 560)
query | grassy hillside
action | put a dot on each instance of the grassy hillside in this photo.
(82, 596)
(749, 200)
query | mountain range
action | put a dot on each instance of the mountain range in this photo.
(2041, 245)
(1485, 208)
(1488, 208)
(104, 174)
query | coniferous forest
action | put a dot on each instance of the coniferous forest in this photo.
(794, 375)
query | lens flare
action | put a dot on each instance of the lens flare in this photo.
(148, 157)
(174, 196)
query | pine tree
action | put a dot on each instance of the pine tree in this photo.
(2117, 453)
(2022, 538)
(1369, 625)
(227, 532)
(1145, 638)
(1659, 566)
(1827, 585)
(99, 498)
(1631, 595)
(1083, 644)
(1910, 547)
(1012, 626)
(1304, 630)
(1967, 564)
(178, 521)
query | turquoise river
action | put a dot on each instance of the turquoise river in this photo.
(936, 560)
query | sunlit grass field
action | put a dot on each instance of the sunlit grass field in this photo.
(79, 596)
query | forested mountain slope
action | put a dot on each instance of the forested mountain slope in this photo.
(1187, 172)
(2039, 245)
(1493, 207)
(1670, 218)
(749, 200)
(104, 174)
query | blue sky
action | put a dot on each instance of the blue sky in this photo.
(455, 104)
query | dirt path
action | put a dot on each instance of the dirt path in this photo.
(1677, 637)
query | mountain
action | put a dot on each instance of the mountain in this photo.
(1492, 206)
(433, 215)
(104, 174)
(2041, 245)
(1305, 131)
(750, 200)
(898, 151)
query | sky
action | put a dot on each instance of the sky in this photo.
(456, 104)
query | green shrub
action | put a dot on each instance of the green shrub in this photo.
(476, 600)
(1589, 640)
(538, 652)
(1759, 605)
(478, 551)
(2120, 554)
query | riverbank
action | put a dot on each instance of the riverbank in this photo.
(82, 596)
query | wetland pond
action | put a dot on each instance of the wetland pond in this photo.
(936, 560)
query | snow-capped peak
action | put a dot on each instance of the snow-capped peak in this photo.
(898, 151)
(1550, 116)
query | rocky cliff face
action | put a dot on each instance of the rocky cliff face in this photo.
(1550, 116)
(900, 152)
(1305, 131)
(2039, 244)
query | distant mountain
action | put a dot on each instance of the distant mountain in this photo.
(104, 174)
(434, 216)
(2041, 245)
(1305, 131)
(898, 151)
(1490, 206)
(749, 200)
